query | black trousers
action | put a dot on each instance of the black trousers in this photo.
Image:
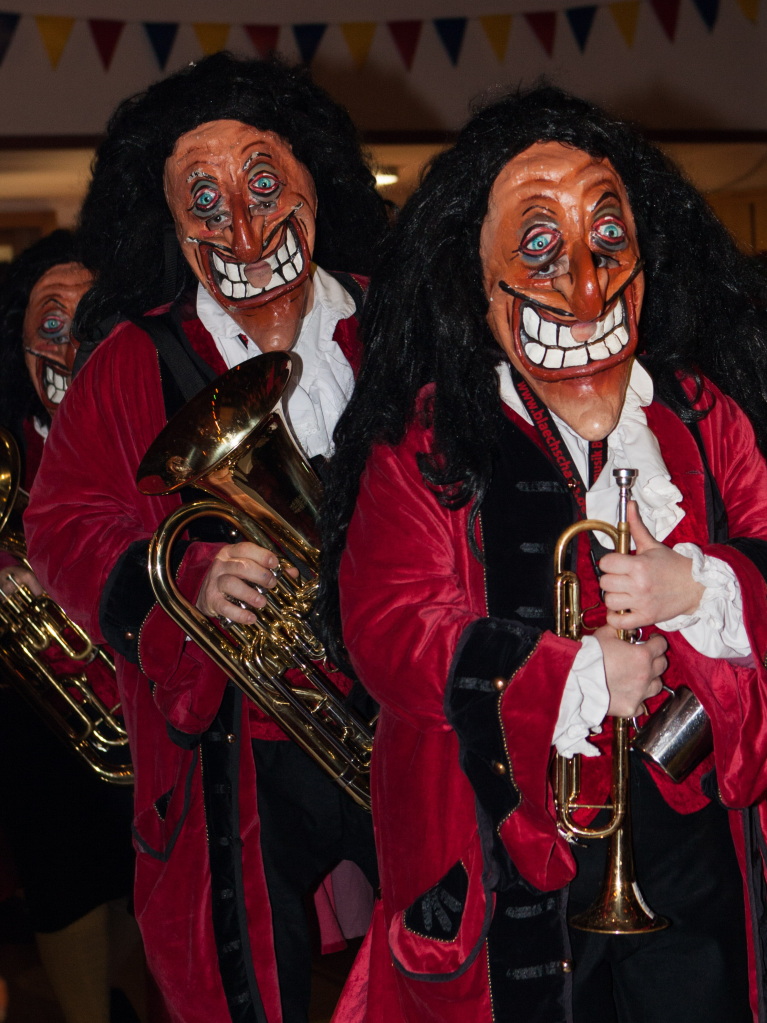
(308, 825)
(696, 969)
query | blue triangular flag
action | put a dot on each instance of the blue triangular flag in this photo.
(162, 36)
(451, 32)
(8, 24)
(308, 39)
(708, 10)
(581, 19)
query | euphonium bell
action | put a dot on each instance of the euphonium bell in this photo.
(30, 627)
(232, 441)
(620, 907)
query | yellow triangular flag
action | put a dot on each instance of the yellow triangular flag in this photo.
(54, 32)
(497, 28)
(750, 8)
(626, 15)
(211, 36)
(359, 36)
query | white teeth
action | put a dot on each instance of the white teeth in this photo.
(548, 333)
(613, 343)
(286, 264)
(599, 351)
(552, 345)
(576, 357)
(535, 352)
(530, 321)
(55, 385)
(566, 339)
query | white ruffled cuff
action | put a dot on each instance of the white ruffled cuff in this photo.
(717, 628)
(584, 702)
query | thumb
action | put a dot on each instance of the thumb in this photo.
(642, 536)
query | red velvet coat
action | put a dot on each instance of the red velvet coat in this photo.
(411, 588)
(85, 512)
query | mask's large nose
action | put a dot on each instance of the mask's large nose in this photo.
(247, 235)
(585, 285)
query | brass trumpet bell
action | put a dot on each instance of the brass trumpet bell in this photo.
(232, 441)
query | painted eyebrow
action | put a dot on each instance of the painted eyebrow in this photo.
(200, 174)
(607, 195)
(253, 156)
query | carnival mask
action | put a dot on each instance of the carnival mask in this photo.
(562, 274)
(48, 348)
(244, 210)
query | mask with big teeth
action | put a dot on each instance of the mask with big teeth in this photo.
(48, 348)
(244, 211)
(562, 273)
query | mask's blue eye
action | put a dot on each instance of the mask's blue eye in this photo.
(610, 232)
(263, 183)
(52, 324)
(540, 243)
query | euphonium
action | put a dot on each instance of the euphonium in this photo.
(232, 441)
(619, 908)
(30, 626)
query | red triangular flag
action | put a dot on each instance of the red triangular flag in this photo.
(264, 38)
(544, 25)
(106, 35)
(667, 13)
(406, 35)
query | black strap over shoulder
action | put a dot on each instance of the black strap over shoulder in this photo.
(186, 368)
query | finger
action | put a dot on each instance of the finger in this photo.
(251, 571)
(615, 564)
(643, 538)
(252, 552)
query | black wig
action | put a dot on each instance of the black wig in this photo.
(127, 228)
(703, 311)
(18, 398)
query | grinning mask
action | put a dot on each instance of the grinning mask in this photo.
(48, 348)
(244, 211)
(562, 274)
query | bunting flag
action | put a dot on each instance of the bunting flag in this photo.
(264, 38)
(750, 9)
(308, 38)
(406, 35)
(359, 38)
(162, 36)
(708, 10)
(451, 31)
(497, 28)
(359, 35)
(581, 19)
(544, 25)
(667, 13)
(106, 35)
(626, 14)
(211, 36)
(54, 32)
(8, 26)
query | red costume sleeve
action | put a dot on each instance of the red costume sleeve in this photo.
(416, 626)
(736, 697)
(86, 512)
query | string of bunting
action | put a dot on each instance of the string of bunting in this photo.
(212, 36)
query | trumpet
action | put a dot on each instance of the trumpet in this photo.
(232, 441)
(619, 907)
(31, 627)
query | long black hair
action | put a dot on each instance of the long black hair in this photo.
(703, 311)
(18, 398)
(125, 224)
